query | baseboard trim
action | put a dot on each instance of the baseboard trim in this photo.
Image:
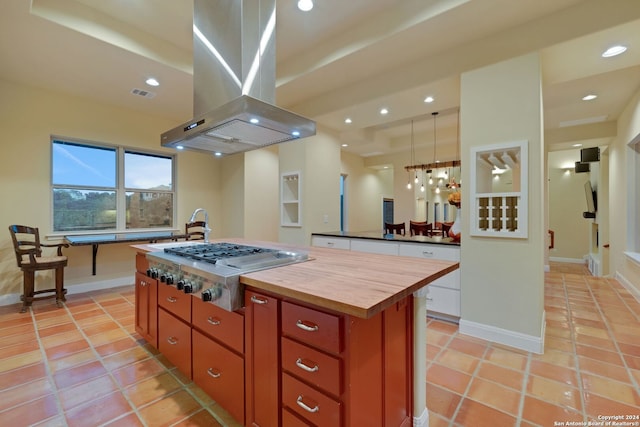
(628, 286)
(82, 288)
(568, 260)
(504, 336)
(422, 420)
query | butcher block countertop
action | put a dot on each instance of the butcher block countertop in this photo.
(354, 283)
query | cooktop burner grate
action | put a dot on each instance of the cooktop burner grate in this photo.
(213, 252)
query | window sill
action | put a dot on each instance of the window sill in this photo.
(633, 256)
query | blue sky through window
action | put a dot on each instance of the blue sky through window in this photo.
(75, 164)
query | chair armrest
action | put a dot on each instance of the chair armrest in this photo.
(58, 245)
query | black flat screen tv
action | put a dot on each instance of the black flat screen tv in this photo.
(592, 199)
(582, 167)
(588, 155)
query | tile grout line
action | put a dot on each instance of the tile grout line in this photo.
(574, 345)
(101, 360)
(613, 339)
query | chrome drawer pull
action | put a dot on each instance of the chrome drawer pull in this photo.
(427, 253)
(172, 341)
(305, 367)
(330, 243)
(300, 324)
(213, 321)
(258, 300)
(143, 283)
(172, 299)
(304, 405)
(213, 373)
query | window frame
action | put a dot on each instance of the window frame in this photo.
(120, 189)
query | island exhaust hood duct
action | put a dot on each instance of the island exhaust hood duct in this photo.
(234, 81)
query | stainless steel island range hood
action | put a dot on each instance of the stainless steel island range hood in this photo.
(234, 81)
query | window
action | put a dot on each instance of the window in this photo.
(98, 187)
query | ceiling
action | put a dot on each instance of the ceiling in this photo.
(344, 59)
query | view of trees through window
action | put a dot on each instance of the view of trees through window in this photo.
(110, 188)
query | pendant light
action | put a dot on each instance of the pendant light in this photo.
(412, 154)
(434, 114)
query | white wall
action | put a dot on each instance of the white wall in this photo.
(365, 188)
(566, 204)
(624, 203)
(28, 117)
(502, 294)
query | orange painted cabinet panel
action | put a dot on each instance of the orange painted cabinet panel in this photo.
(310, 404)
(146, 316)
(262, 360)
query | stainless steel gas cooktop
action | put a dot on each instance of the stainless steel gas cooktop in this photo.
(211, 271)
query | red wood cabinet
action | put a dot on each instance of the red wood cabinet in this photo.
(262, 359)
(335, 370)
(147, 308)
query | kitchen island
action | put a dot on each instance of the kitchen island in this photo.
(338, 340)
(443, 294)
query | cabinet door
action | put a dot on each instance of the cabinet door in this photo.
(146, 316)
(220, 373)
(262, 360)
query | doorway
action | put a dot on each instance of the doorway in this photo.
(387, 211)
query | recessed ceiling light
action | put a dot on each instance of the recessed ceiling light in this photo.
(179, 147)
(295, 133)
(344, 145)
(152, 82)
(305, 5)
(384, 111)
(348, 120)
(217, 154)
(429, 99)
(613, 51)
(589, 97)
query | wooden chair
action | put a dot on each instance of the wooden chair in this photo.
(446, 226)
(395, 228)
(420, 228)
(195, 230)
(26, 242)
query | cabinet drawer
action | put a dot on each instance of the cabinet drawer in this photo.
(220, 373)
(174, 341)
(443, 252)
(314, 367)
(330, 242)
(309, 403)
(373, 247)
(175, 301)
(225, 326)
(442, 300)
(316, 328)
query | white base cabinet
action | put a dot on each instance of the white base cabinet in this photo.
(443, 294)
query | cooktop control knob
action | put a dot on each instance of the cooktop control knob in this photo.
(170, 279)
(211, 294)
(180, 284)
(153, 273)
(192, 287)
(206, 295)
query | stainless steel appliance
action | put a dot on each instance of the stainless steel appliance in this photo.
(212, 271)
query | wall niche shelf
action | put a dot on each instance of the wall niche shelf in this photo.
(290, 205)
(499, 195)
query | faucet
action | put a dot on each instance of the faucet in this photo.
(207, 230)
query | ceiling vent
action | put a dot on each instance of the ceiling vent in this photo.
(143, 93)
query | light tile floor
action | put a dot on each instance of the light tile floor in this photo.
(84, 365)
